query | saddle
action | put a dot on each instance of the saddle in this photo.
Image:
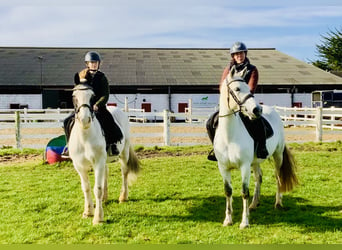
(110, 130)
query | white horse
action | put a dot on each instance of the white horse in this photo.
(234, 147)
(87, 149)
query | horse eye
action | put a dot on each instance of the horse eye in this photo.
(237, 89)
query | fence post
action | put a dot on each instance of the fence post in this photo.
(332, 118)
(17, 129)
(190, 110)
(319, 124)
(25, 115)
(126, 104)
(166, 120)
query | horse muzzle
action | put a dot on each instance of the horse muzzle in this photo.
(252, 109)
(257, 111)
(86, 122)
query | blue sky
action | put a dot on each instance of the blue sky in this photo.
(292, 27)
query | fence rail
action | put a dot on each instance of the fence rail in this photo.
(34, 128)
(319, 118)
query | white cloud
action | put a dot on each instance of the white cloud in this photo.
(153, 23)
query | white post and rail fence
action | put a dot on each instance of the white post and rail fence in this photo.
(28, 128)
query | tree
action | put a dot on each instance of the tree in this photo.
(330, 51)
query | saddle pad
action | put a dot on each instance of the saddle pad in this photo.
(254, 129)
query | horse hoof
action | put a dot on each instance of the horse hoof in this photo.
(97, 222)
(278, 206)
(253, 207)
(227, 223)
(87, 215)
(243, 226)
(122, 199)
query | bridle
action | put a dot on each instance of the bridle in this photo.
(77, 110)
(236, 99)
(84, 105)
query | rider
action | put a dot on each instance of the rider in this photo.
(249, 72)
(98, 81)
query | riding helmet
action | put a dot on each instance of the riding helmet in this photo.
(238, 47)
(92, 56)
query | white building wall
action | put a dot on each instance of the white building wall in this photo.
(34, 101)
(283, 99)
(304, 98)
(198, 100)
(159, 102)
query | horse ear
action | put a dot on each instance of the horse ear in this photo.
(231, 73)
(77, 79)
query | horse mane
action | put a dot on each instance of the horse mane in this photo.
(82, 77)
(82, 86)
(83, 74)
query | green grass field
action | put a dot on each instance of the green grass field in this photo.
(177, 199)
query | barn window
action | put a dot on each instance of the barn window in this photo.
(14, 105)
(146, 106)
(182, 106)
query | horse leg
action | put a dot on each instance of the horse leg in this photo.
(278, 159)
(228, 189)
(245, 174)
(257, 180)
(124, 158)
(100, 172)
(88, 201)
(105, 186)
(124, 188)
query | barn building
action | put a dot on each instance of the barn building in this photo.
(153, 78)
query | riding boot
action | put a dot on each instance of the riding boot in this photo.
(68, 124)
(111, 130)
(211, 126)
(261, 150)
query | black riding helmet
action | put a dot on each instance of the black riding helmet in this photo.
(92, 56)
(238, 47)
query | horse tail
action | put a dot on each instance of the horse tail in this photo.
(134, 165)
(287, 173)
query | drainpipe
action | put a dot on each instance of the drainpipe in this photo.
(169, 96)
(293, 90)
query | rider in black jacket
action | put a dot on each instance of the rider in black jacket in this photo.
(98, 81)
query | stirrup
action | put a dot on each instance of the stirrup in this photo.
(65, 153)
(211, 156)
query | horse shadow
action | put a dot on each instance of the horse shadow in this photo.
(296, 211)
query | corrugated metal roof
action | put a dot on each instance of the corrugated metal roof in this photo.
(149, 66)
